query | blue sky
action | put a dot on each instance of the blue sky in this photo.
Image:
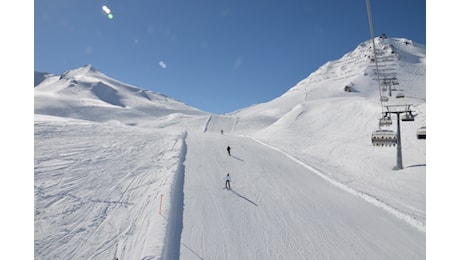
(215, 55)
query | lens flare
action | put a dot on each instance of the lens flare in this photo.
(107, 11)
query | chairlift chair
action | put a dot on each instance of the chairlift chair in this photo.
(421, 132)
(384, 99)
(399, 95)
(385, 121)
(384, 138)
(408, 117)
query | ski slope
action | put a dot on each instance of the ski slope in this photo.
(128, 173)
(278, 209)
(107, 189)
(98, 188)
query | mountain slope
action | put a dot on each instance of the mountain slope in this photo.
(397, 58)
(86, 93)
(279, 209)
(109, 190)
(324, 126)
(117, 149)
(97, 189)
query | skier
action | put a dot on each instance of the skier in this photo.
(228, 150)
(228, 179)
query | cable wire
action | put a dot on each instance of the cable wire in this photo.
(369, 15)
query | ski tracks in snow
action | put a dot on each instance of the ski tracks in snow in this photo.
(280, 208)
(97, 191)
(376, 202)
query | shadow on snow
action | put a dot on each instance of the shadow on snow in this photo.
(237, 158)
(243, 197)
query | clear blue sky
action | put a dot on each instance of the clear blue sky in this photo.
(215, 55)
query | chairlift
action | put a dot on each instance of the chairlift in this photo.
(399, 95)
(384, 99)
(385, 121)
(384, 138)
(421, 132)
(408, 117)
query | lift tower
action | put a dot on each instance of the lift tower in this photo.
(406, 116)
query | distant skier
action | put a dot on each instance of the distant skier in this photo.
(228, 179)
(228, 150)
(222, 131)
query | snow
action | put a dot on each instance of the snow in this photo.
(128, 173)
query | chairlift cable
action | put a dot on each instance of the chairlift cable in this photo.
(369, 15)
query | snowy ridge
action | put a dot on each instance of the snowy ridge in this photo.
(85, 93)
(359, 63)
(171, 248)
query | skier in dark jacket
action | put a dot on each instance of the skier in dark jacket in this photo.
(228, 150)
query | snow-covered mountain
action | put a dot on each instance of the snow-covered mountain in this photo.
(85, 93)
(106, 152)
(397, 58)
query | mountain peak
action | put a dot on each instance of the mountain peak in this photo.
(396, 57)
(83, 70)
(88, 67)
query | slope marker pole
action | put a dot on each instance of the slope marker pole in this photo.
(161, 202)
